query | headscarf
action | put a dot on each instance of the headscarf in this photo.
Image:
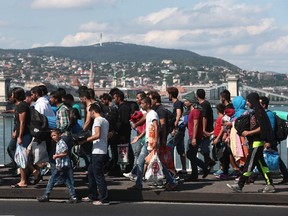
(239, 104)
(262, 118)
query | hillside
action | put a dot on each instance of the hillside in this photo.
(121, 52)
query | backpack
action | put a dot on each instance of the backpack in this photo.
(242, 123)
(38, 126)
(171, 118)
(281, 129)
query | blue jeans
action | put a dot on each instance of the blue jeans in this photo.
(195, 161)
(96, 178)
(66, 175)
(137, 150)
(140, 165)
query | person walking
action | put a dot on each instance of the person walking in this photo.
(96, 176)
(259, 133)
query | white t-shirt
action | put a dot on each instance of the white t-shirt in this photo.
(100, 145)
(150, 117)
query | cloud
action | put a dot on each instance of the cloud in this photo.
(66, 3)
(81, 38)
(227, 29)
(157, 17)
(240, 49)
(43, 45)
(279, 46)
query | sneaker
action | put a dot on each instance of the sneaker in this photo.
(73, 200)
(182, 172)
(86, 199)
(153, 185)
(43, 198)
(131, 176)
(218, 172)
(127, 175)
(267, 189)
(222, 176)
(176, 177)
(158, 185)
(135, 188)
(45, 169)
(234, 187)
(98, 203)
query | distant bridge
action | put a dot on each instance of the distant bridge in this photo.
(213, 93)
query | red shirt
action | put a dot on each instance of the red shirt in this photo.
(195, 114)
(218, 126)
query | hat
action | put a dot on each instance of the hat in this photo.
(190, 97)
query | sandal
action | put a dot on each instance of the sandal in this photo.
(18, 186)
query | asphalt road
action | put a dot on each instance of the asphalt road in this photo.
(53, 208)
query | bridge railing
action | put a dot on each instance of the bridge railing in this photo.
(6, 129)
(7, 124)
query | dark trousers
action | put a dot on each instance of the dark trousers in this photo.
(195, 161)
(11, 149)
(96, 178)
(255, 158)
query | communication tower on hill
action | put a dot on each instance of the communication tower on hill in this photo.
(101, 39)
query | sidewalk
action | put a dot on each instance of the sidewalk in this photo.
(209, 190)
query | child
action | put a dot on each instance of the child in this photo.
(62, 170)
(220, 134)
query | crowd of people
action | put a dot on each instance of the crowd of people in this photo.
(106, 123)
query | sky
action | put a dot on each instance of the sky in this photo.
(252, 34)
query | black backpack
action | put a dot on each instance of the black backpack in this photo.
(171, 118)
(39, 127)
(281, 129)
(242, 123)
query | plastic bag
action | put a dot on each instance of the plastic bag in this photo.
(154, 171)
(21, 156)
(123, 159)
(166, 157)
(38, 152)
(272, 160)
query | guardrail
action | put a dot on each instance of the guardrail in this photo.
(6, 128)
(7, 123)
